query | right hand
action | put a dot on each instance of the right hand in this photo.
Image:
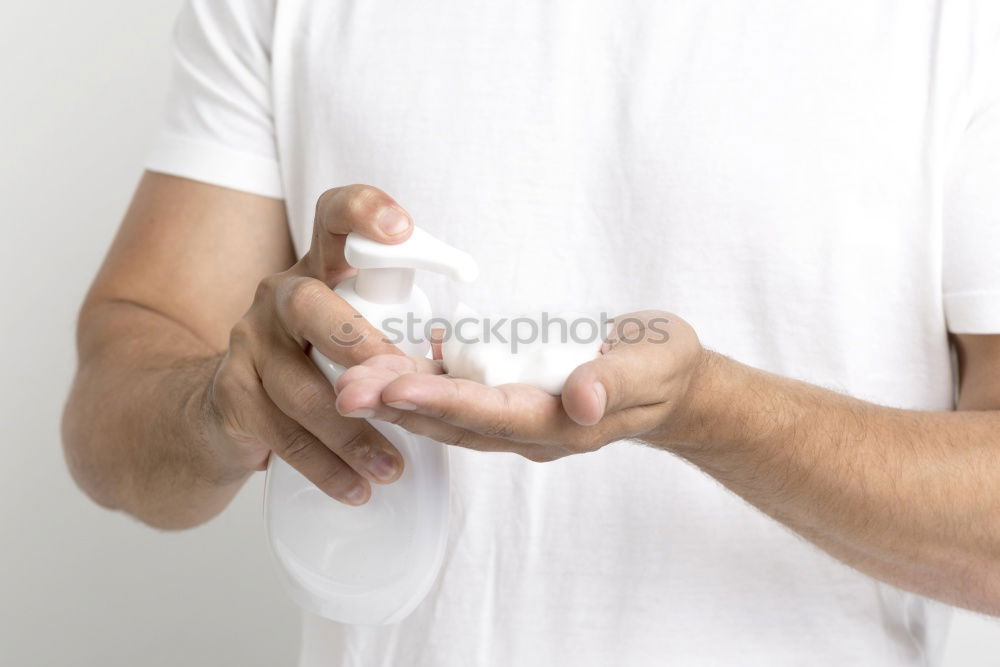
(268, 397)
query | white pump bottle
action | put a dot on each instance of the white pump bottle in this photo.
(373, 564)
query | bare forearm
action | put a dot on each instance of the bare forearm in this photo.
(910, 497)
(135, 430)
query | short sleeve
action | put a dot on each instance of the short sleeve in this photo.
(218, 124)
(971, 240)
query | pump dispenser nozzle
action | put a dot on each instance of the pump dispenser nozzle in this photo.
(385, 272)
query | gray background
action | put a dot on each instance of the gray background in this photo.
(82, 86)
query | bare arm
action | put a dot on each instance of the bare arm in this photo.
(910, 497)
(151, 333)
(192, 364)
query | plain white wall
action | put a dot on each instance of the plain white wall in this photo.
(80, 586)
(82, 87)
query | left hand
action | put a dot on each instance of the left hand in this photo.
(639, 387)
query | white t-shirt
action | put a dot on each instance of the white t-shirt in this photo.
(813, 185)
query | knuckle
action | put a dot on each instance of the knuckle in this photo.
(229, 393)
(461, 438)
(230, 386)
(225, 388)
(297, 444)
(240, 336)
(499, 429)
(337, 478)
(266, 289)
(363, 202)
(311, 398)
(449, 408)
(303, 298)
(357, 447)
(324, 200)
(500, 426)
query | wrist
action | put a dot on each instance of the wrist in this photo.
(698, 418)
(217, 456)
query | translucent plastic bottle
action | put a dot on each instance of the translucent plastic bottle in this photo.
(372, 564)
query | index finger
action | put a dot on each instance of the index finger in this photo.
(310, 312)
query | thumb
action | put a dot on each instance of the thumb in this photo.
(361, 209)
(630, 371)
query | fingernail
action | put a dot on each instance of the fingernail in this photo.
(392, 221)
(357, 495)
(362, 413)
(383, 468)
(602, 397)
(402, 405)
